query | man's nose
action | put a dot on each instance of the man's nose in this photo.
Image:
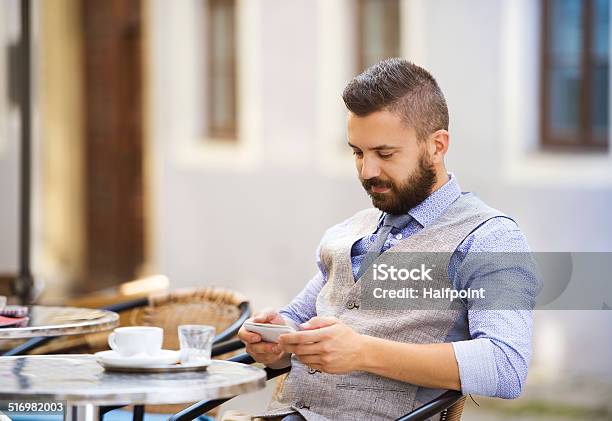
(369, 168)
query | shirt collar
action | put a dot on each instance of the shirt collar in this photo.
(436, 203)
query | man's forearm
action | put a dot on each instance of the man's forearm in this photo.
(428, 365)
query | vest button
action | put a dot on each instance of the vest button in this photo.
(312, 370)
(299, 404)
(350, 305)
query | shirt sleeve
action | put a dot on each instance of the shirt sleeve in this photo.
(303, 307)
(496, 359)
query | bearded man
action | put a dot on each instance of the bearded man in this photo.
(349, 362)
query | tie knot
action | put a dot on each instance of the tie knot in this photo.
(396, 221)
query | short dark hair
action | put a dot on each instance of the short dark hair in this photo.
(401, 87)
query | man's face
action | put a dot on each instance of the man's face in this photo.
(392, 164)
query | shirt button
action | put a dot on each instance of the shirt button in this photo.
(299, 404)
(398, 236)
(350, 305)
(312, 370)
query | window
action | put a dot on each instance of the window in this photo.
(378, 31)
(575, 70)
(361, 32)
(180, 62)
(221, 90)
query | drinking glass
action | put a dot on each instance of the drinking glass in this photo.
(196, 343)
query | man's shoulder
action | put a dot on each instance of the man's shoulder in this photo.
(471, 202)
(367, 216)
(490, 229)
(364, 216)
(500, 233)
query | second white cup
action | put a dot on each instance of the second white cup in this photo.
(133, 340)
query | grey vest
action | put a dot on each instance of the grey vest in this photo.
(361, 395)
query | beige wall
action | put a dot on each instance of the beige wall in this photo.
(60, 232)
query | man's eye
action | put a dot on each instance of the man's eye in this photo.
(385, 155)
(357, 153)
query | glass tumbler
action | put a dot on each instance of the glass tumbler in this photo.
(196, 343)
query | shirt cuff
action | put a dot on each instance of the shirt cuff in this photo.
(289, 320)
(477, 368)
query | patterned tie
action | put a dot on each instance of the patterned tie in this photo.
(390, 222)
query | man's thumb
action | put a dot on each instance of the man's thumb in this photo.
(319, 322)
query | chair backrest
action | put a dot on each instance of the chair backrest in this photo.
(218, 307)
(213, 306)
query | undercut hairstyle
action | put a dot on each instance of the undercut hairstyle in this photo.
(403, 88)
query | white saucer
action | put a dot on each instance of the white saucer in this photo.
(112, 358)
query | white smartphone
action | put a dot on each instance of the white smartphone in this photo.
(267, 331)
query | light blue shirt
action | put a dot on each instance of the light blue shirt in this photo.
(495, 361)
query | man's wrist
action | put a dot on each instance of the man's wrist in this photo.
(366, 347)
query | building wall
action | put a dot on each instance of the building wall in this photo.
(256, 229)
(249, 227)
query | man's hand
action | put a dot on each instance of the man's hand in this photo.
(325, 344)
(266, 353)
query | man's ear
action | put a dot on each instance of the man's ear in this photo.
(438, 145)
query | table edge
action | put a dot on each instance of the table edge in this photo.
(77, 328)
(160, 398)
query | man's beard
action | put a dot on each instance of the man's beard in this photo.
(401, 198)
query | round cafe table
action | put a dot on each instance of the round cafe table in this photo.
(84, 385)
(60, 321)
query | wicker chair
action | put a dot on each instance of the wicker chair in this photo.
(214, 306)
(448, 406)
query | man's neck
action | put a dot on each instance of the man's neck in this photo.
(441, 179)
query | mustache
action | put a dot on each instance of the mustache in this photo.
(376, 182)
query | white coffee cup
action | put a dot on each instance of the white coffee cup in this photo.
(132, 340)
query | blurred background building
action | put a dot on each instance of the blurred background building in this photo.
(205, 140)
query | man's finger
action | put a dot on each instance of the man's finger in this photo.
(250, 337)
(316, 367)
(319, 322)
(304, 336)
(266, 358)
(304, 349)
(268, 315)
(265, 348)
(313, 361)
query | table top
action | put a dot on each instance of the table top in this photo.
(80, 380)
(59, 321)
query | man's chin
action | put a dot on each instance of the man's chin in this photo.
(381, 204)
